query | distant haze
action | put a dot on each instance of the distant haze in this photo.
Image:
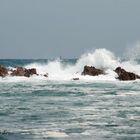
(67, 28)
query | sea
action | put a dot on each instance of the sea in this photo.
(60, 108)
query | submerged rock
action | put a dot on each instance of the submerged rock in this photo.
(20, 71)
(124, 75)
(3, 71)
(92, 71)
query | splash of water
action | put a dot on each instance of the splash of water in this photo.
(132, 52)
(100, 58)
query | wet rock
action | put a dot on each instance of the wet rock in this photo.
(20, 71)
(3, 71)
(46, 75)
(92, 71)
(124, 75)
(32, 71)
(75, 78)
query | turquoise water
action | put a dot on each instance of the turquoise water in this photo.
(41, 109)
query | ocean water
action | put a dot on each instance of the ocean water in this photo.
(59, 108)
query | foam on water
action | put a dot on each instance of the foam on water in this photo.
(100, 58)
(69, 110)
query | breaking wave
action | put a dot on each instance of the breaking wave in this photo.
(100, 58)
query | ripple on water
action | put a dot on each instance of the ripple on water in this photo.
(55, 110)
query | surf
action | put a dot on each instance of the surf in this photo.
(64, 69)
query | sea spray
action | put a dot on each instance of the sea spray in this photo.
(100, 58)
(132, 52)
(65, 70)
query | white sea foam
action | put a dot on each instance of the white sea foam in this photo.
(100, 58)
(56, 134)
(42, 132)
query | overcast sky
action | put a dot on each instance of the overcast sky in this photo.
(67, 28)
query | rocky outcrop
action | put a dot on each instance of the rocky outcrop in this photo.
(124, 75)
(32, 71)
(20, 71)
(92, 71)
(3, 71)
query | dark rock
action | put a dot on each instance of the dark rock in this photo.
(3, 71)
(124, 75)
(75, 78)
(46, 75)
(20, 71)
(32, 71)
(92, 71)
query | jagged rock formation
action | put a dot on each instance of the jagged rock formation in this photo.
(20, 71)
(123, 75)
(92, 71)
(3, 71)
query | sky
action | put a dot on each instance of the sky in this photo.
(67, 28)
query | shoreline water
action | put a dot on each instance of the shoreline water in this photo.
(59, 108)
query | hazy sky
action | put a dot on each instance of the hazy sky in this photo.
(67, 28)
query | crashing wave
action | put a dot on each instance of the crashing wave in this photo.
(100, 58)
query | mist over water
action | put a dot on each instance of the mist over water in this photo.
(133, 52)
